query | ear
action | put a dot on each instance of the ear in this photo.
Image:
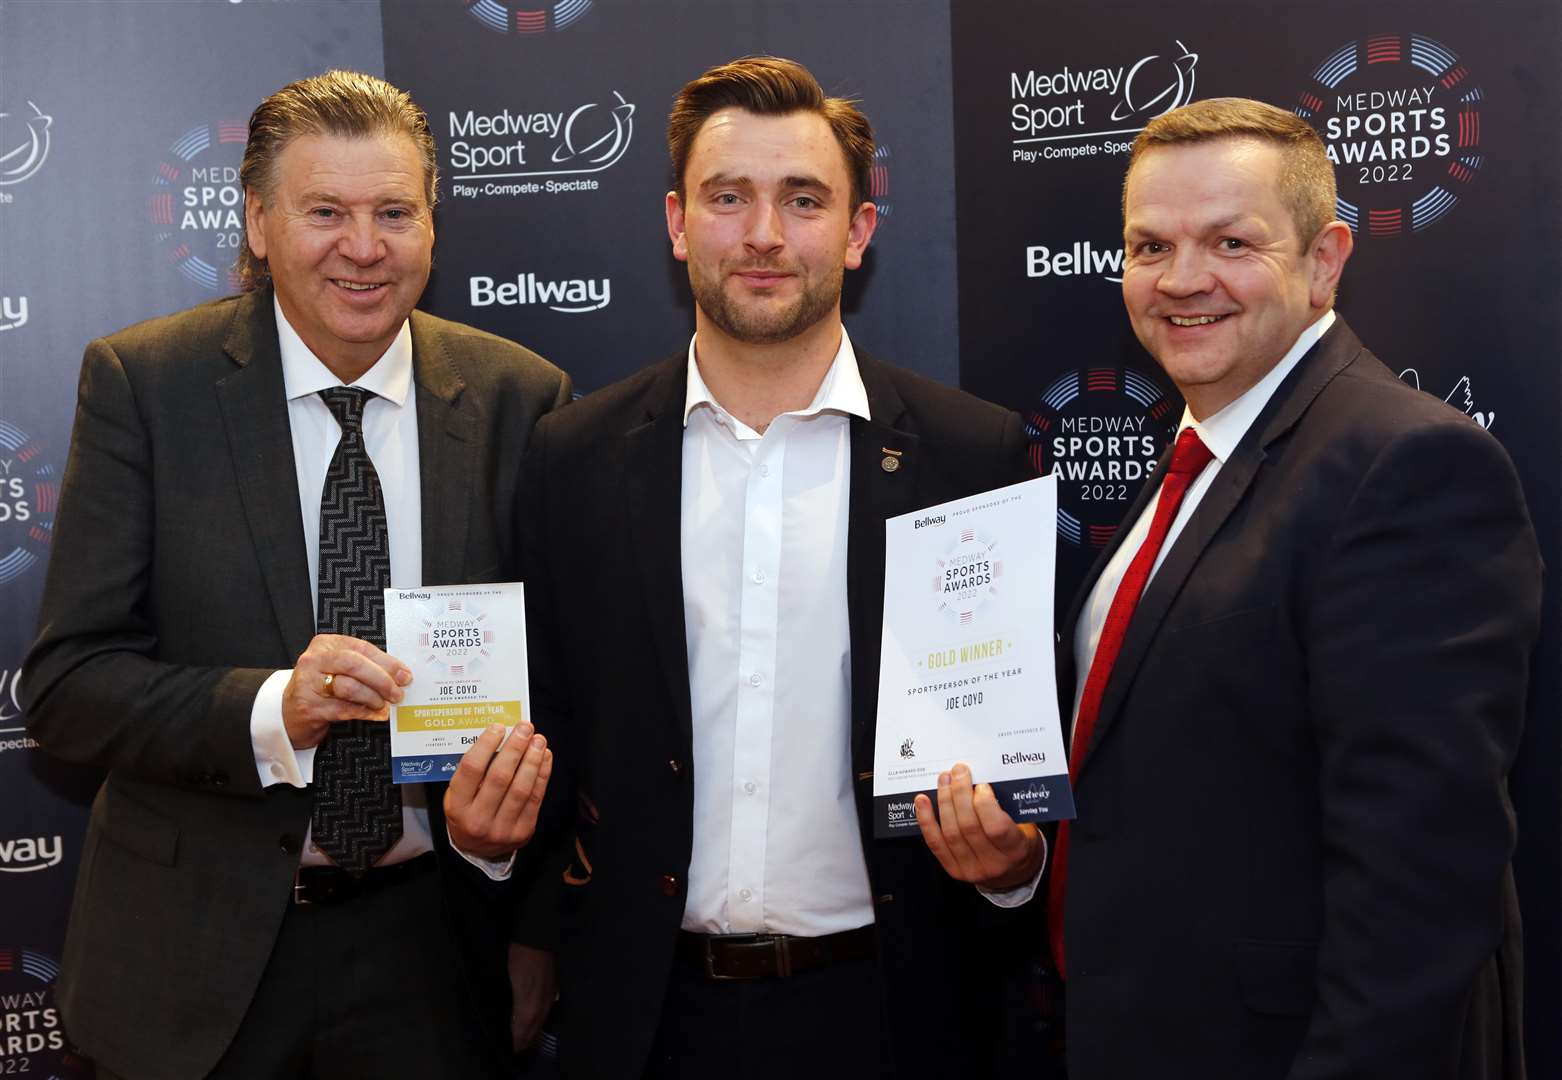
(254, 221)
(675, 227)
(1330, 249)
(864, 221)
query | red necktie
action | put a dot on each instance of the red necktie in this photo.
(1188, 460)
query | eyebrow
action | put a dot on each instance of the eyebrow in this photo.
(788, 183)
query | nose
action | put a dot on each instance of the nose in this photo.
(764, 229)
(1186, 273)
(360, 241)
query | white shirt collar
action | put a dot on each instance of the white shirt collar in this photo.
(841, 390)
(303, 373)
(1223, 430)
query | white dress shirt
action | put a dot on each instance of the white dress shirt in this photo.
(390, 433)
(1220, 432)
(763, 538)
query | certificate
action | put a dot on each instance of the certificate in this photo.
(466, 646)
(965, 673)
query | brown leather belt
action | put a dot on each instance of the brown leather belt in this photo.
(764, 956)
(333, 885)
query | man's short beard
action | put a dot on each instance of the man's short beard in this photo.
(771, 328)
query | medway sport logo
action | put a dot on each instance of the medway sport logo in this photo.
(24, 142)
(197, 204)
(1400, 116)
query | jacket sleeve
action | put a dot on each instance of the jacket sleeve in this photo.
(1418, 636)
(95, 690)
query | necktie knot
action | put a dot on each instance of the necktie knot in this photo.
(1190, 455)
(346, 404)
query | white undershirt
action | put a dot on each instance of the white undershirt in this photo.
(1221, 432)
(763, 540)
(390, 434)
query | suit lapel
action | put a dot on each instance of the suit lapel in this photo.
(878, 492)
(653, 478)
(253, 402)
(447, 451)
(1291, 400)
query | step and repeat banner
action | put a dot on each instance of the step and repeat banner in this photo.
(1003, 132)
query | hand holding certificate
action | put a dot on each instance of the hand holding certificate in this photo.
(465, 716)
(966, 671)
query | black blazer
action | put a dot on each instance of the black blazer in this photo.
(1291, 858)
(611, 690)
(178, 583)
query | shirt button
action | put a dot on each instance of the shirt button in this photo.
(759, 577)
(764, 470)
(756, 679)
(746, 894)
(750, 787)
(278, 771)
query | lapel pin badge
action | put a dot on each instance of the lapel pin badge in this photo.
(891, 460)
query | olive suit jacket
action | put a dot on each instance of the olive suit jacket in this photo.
(178, 583)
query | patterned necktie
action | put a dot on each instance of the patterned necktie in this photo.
(1188, 459)
(357, 810)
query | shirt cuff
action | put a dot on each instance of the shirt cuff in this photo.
(1020, 894)
(495, 869)
(276, 761)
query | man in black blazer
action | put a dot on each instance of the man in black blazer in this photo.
(705, 552)
(1291, 748)
(215, 930)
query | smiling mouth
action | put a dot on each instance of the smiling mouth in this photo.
(357, 286)
(1194, 320)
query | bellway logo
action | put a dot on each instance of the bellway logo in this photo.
(530, 149)
(24, 143)
(13, 312)
(572, 296)
(197, 204)
(1400, 117)
(1082, 258)
(526, 16)
(1076, 112)
(24, 855)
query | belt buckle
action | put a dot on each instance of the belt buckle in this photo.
(300, 892)
(780, 943)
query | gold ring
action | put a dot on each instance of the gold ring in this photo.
(327, 681)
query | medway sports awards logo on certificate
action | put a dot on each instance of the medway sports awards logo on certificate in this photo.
(967, 676)
(466, 645)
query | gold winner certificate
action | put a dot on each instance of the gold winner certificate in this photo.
(466, 646)
(965, 673)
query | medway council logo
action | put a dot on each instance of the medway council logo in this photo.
(1400, 117)
(1100, 431)
(526, 16)
(197, 204)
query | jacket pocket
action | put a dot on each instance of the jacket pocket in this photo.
(137, 827)
(1278, 977)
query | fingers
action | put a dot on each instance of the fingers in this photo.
(972, 837)
(365, 681)
(496, 794)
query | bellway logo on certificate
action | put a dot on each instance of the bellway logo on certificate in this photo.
(466, 646)
(966, 671)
